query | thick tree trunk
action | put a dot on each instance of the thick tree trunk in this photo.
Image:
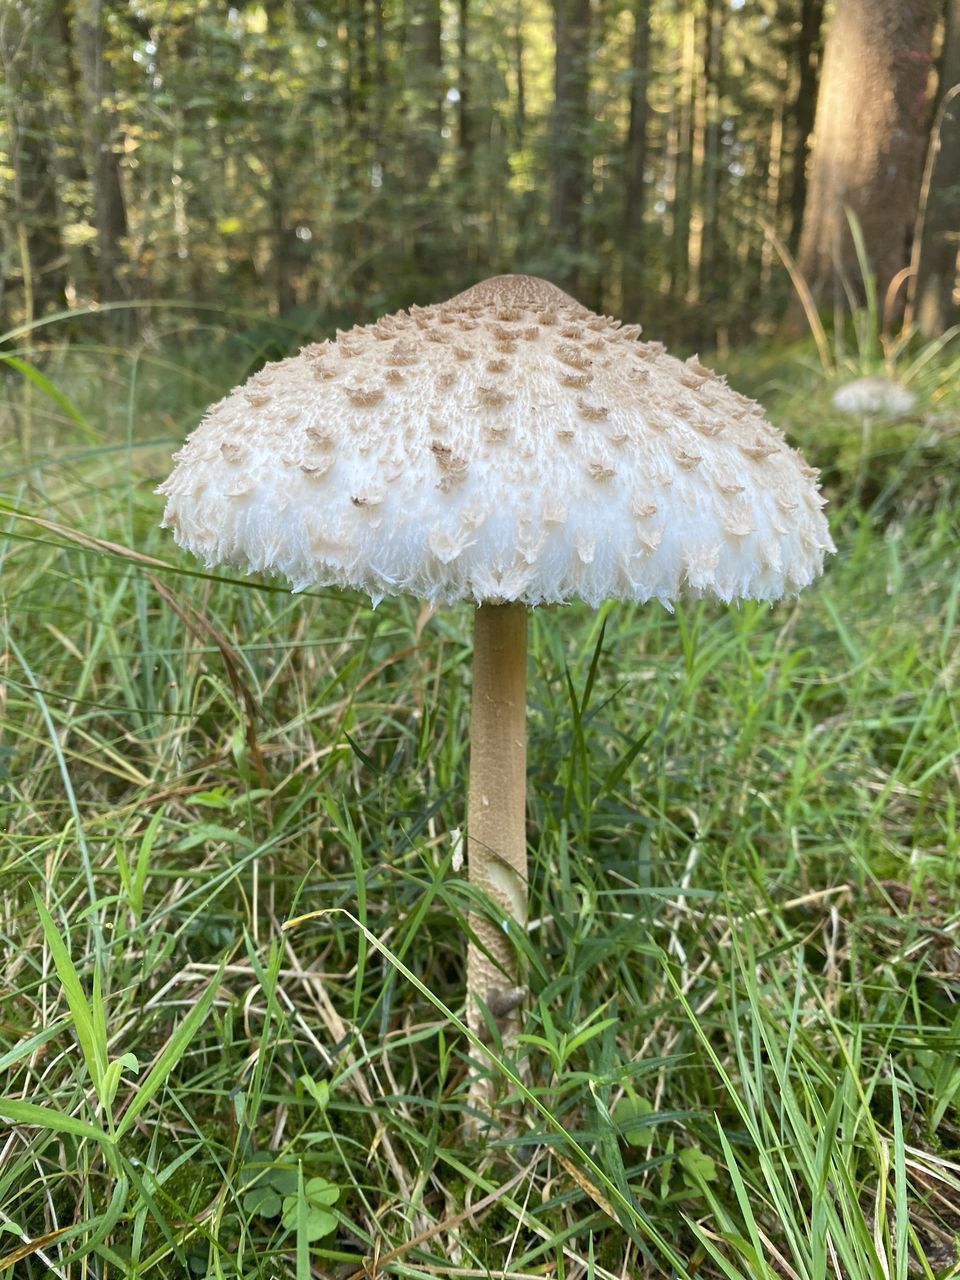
(109, 209)
(569, 132)
(635, 162)
(868, 145)
(807, 54)
(939, 230)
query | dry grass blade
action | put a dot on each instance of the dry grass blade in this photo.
(203, 629)
(448, 1224)
(37, 1246)
(89, 540)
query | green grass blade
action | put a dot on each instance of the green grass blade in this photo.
(170, 1055)
(49, 1118)
(91, 1034)
(33, 374)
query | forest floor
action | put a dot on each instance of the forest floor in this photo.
(739, 1055)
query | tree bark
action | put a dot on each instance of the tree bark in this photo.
(632, 275)
(932, 289)
(868, 143)
(712, 161)
(807, 54)
(683, 160)
(36, 209)
(464, 130)
(425, 123)
(104, 167)
(569, 133)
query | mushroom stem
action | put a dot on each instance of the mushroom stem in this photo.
(496, 812)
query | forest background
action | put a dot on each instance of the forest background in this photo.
(333, 161)
(739, 1057)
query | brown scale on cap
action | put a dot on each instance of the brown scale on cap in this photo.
(686, 457)
(600, 471)
(575, 357)
(492, 397)
(364, 397)
(592, 412)
(403, 352)
(316, 470)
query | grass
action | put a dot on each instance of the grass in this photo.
(233, 938)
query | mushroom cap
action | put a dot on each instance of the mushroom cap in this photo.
(873, 395)
(506, 445)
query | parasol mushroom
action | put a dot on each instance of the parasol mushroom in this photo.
(874, 395)
(870, 398)
(511, 448)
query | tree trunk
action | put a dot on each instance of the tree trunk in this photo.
(712, 162)
(632, 275)
(682, 201)
(808, 50)
(939, 230)
(425, 124)
(868, 143)
(464, 131)
(774, 189)
(36, 209)
(104, 167)
(569, 131)
(700, 80)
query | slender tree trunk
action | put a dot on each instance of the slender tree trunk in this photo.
(684, 155)
(632, 275)
(520, 113)
(464, 130)
(526, 204)
(939, 230)
(109, 207)
(569, 134)
(284, 291)
(712, 162)
(869, 138)
(698, 151)
(35, 206)
(807, 54)
(426, 123)
(774, 188)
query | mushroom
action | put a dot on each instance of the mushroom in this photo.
(875, 396)
(510, 448)
(871, 398)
